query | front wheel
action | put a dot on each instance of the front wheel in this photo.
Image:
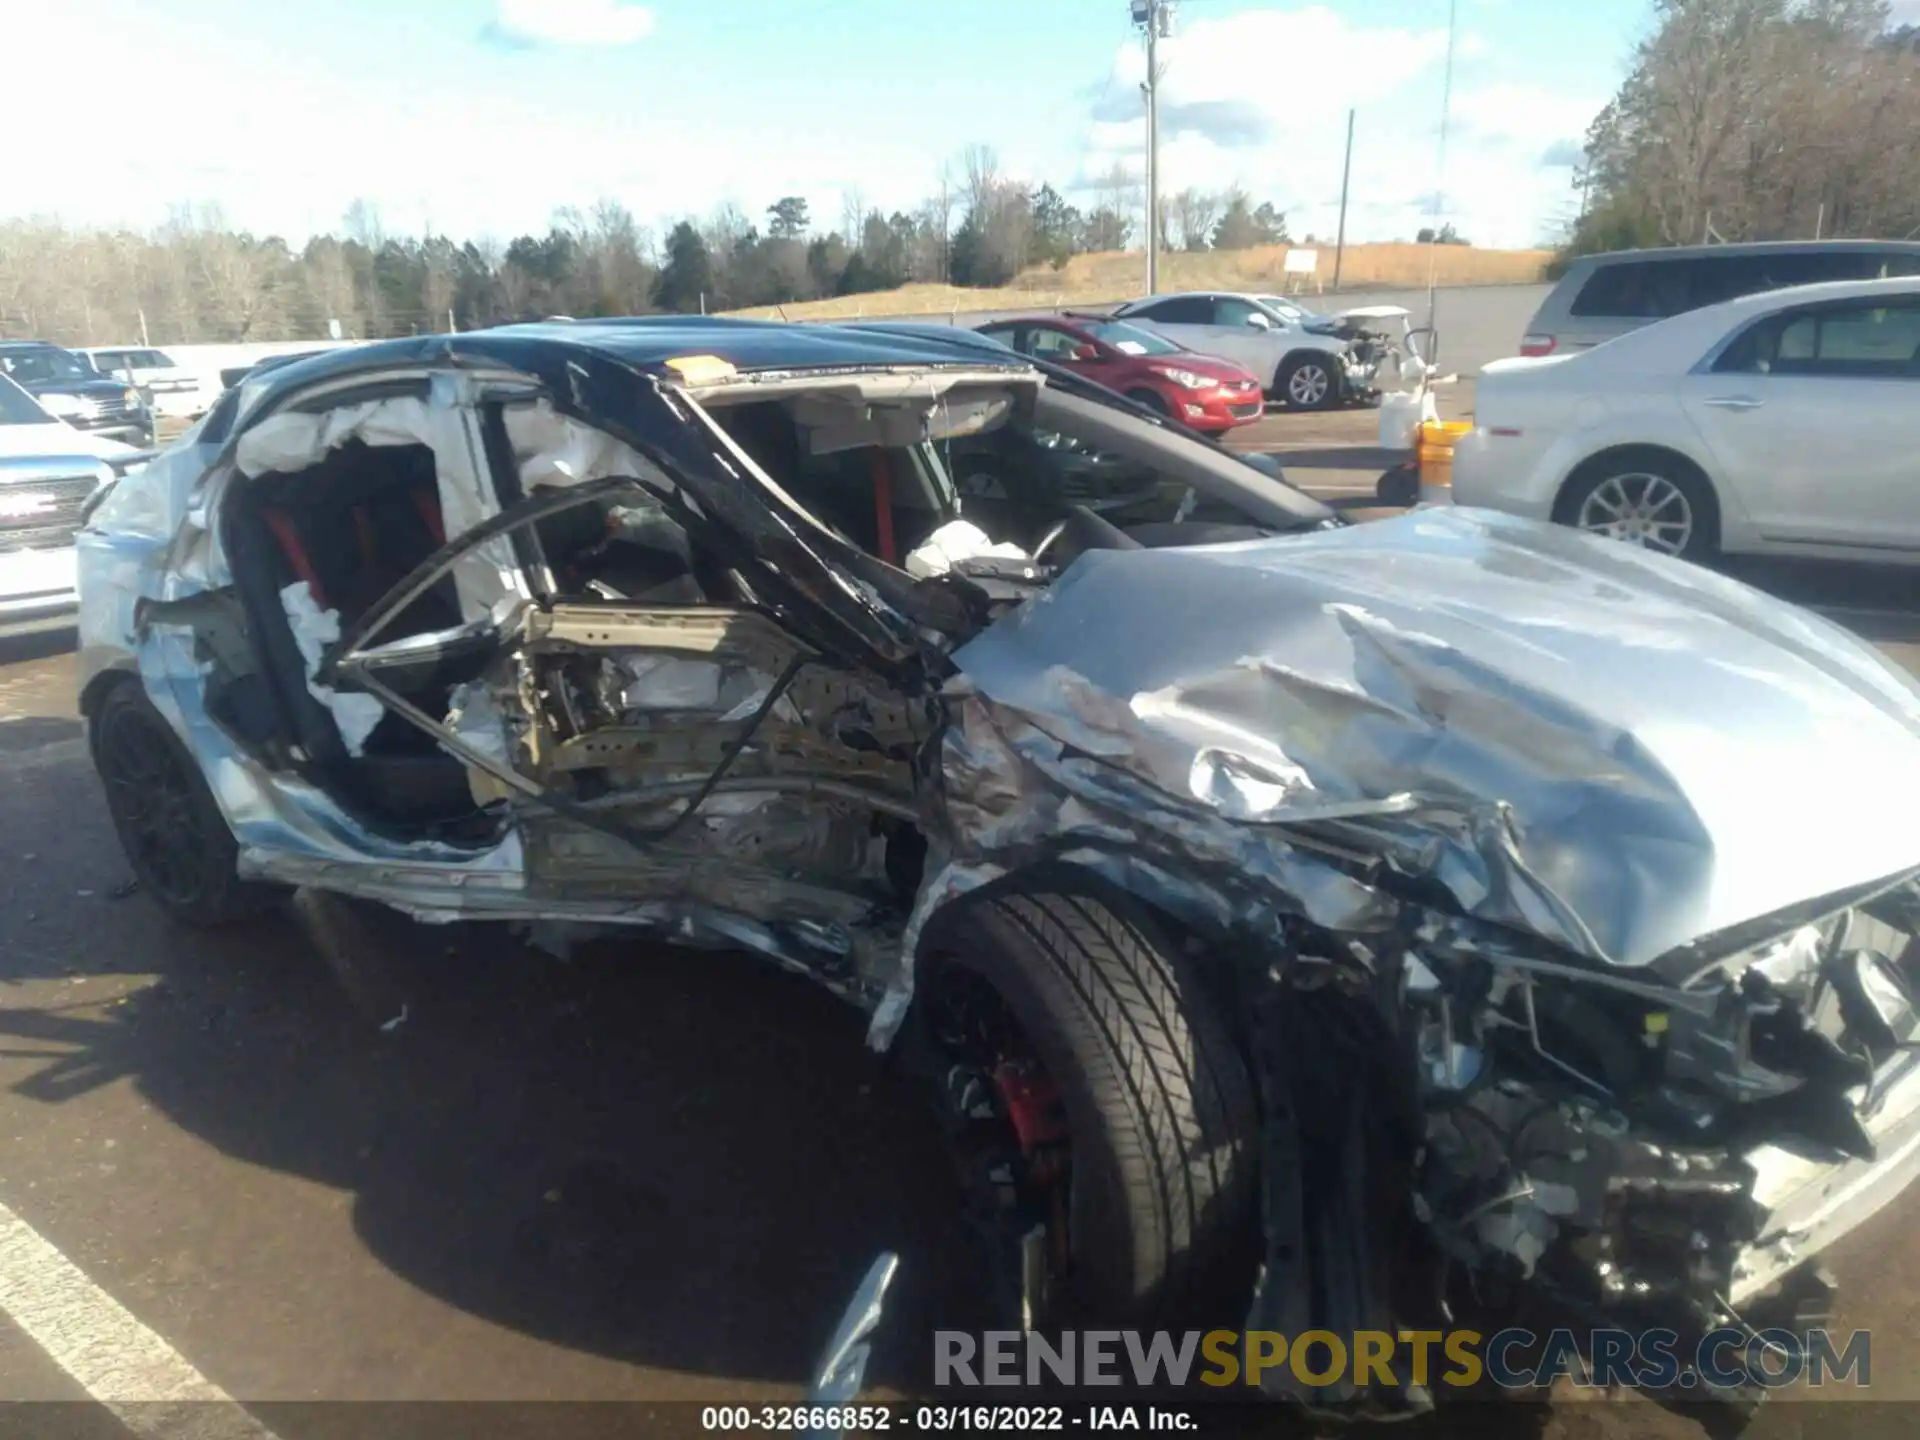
(1308, 382)
(1150, 400)
(1112, 1119)
(175, 838)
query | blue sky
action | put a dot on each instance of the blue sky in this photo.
(480, 117)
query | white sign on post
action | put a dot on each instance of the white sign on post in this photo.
(1301, 265)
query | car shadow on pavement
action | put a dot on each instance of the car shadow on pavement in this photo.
(38, 644)
(681, 1160)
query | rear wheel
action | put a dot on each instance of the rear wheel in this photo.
(175, 838)
(1308, 382)
(1646, 498)
(1105, 1120)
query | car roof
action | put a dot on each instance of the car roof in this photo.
(933, 331)
(1676, 342)
(30, 345)
(1063, 317)
(1750, 247)
(649, 343)
(1788, 297)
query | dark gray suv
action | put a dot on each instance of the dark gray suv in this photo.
(1602, 296)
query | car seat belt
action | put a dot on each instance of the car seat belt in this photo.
(281, 524)
(883, 504)
(428, 504)
(363, 532)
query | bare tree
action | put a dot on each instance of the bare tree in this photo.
(853, 213)
(1191, 214)
(930, 261)
(1757, 119)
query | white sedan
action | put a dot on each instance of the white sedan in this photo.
(1786, 423)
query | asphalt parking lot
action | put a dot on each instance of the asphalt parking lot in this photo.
(463, 1172)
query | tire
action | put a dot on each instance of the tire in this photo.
(1308, 381)
(175, 839)
(1160, 1111)
(1151, 400)
(1664, 503)
(1399, 487)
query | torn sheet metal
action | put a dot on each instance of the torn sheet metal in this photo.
(291, 830)
(314, 630)
(1577, 740)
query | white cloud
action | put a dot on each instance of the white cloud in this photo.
(573, 22)
(1260, 99)
(1242, 77)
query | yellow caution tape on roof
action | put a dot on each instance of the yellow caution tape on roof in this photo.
(702, 369)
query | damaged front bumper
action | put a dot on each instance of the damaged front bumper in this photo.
(1592, 1153)
(1807, 1202)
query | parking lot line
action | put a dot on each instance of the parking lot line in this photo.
(148, 1385)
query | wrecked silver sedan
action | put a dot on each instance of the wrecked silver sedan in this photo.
(1286, 914)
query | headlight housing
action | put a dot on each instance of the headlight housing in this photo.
(135, 400)
(1186, 378)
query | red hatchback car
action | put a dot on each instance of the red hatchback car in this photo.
(1205, 392)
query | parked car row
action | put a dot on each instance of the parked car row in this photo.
(69, 387)
(1213, 360)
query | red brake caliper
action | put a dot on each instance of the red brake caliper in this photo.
(1039, 1120)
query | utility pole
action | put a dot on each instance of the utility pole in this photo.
(1156, 18)
(1340, 236)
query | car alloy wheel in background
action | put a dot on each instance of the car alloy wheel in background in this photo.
(1640, 508)
(1307, 384)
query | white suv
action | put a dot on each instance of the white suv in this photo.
(1300, 360)
(176, 390)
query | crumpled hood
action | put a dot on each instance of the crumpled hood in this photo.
(1619, 752)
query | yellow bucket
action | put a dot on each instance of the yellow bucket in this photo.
(1433, 449)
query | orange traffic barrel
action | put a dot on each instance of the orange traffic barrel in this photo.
(1434, 453)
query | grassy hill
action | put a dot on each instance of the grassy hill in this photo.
(1115, 276)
